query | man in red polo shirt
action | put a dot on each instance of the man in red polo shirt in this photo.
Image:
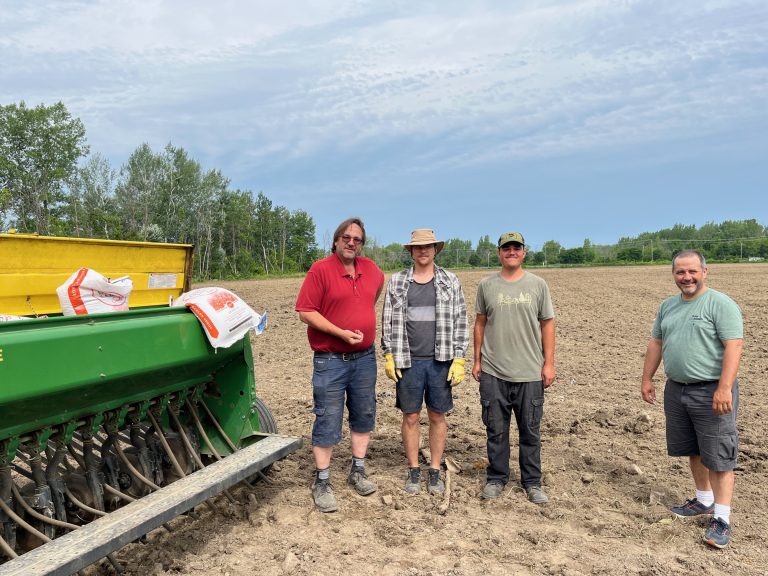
(337, 303)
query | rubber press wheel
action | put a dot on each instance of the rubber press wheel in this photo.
(266, 419)
(267, 425)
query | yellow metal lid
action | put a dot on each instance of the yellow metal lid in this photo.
(32, 267)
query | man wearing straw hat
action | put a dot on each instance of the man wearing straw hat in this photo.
(424, 339)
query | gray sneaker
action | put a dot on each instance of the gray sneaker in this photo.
(413, 481)
(691, 508)
(359, 480)
(492, 489)
(435, 485)
(536, 495)
(322, 494)
(718, 534)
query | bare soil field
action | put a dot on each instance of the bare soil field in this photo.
(606, 470)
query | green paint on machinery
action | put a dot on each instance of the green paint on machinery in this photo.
(114, 424)
(62, 371)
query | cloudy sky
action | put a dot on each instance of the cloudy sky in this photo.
(564, 120)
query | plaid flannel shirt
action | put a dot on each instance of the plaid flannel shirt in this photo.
(451, 333)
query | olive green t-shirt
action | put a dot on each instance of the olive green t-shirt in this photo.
(692, 334)
(511, 348)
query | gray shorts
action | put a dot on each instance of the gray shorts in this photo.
(694, 429)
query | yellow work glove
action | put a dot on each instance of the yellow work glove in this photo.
(389, 367)
(456, 371)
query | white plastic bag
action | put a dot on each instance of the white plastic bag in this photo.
(11, 318)
(225, 317)
(87, 292)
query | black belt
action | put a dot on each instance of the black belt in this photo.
(695, 383)
(346, 356)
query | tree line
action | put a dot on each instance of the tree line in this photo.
(51, 184)
(728, 241)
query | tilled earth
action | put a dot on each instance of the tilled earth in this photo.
(606, 470)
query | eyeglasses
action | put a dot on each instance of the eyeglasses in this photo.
(354, 239)
(512, 248)
(423, 246)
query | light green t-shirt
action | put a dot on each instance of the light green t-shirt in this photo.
(692, 334)
(511, 348)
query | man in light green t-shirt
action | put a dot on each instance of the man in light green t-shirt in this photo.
(699, 336)
(514, 338)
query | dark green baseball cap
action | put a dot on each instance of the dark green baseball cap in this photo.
(508, 237)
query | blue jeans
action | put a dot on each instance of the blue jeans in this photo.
(334, 380)
(426, 380)
(499, 399)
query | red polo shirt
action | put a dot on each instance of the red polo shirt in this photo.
(346, 301)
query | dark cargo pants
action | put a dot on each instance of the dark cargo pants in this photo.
(499, 399)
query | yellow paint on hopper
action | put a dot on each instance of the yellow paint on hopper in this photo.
(32, 267)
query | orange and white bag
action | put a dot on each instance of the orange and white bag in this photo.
(225, 317)
(88, 292)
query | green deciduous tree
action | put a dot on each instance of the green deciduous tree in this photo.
(572, 256)
(456, 253)
(141, 178)
(630, 254)
(485, 253)
(39, 151)
(169, 197)
(551, 251)
(91, 208)
(5, 206)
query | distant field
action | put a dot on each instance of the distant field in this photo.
(606, 469)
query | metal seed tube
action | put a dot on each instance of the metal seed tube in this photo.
(35, 514)
(81, 505)
(166, 446)
(199, 425)
(132, 468)
(7, 550)
(229, 442)
(191, 450)
(21, 522)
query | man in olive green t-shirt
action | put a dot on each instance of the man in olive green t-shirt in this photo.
(514, 339)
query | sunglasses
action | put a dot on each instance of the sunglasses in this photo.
(354, 239)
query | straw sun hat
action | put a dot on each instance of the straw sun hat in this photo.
(424, 236)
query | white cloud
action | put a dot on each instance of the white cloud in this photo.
(177, 28)
(266, 84)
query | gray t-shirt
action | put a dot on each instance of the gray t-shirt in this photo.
(692, 332)
(512, 347)
(420, 321)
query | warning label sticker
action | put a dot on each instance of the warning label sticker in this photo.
(157, 280)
